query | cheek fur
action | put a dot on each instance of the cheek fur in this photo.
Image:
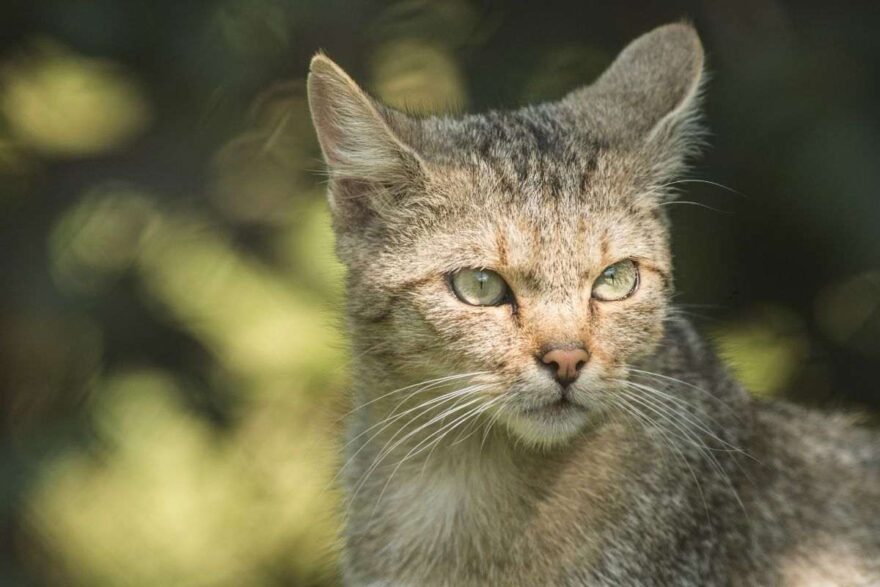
(482, 338)
(624, 330)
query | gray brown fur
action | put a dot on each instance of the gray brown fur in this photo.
(677, 477)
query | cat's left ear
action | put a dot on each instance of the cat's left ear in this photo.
(370, 165)
(649, 95)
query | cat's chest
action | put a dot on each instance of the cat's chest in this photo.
(452, 531)
(447, 509)
(447, 522)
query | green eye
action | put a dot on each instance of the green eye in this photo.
(479, 287)
(617, 281)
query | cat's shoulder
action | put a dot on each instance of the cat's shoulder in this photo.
(842, 438)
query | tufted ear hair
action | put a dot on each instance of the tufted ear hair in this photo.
(369, 164)
(649, 95)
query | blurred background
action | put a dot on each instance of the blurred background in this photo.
(171, 367)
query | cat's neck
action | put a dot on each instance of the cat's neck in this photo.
(484, 494)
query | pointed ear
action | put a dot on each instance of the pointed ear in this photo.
(650, 93)
(369, 165)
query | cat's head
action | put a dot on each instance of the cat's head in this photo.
(530, 246)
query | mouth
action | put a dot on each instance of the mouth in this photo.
(551, 422)
(559, 407)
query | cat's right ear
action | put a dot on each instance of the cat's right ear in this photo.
(369, 165)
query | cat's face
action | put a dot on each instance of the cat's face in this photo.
(527, 247)
(548, 250)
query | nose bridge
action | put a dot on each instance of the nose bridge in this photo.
(560, 321)
(559, 339)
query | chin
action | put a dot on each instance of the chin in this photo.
(549, 426)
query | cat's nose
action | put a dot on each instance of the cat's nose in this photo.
(565, 362)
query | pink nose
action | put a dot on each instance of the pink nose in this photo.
(567, 363)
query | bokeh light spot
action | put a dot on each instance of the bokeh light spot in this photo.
(99, 237)
(418, 76)
(765, 348)
(261, 174)
(259, 324)
(59, 103)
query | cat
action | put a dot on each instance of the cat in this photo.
(529, 408)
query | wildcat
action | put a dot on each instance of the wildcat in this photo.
(529, 407)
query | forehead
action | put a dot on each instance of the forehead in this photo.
(530, 158)
(531, 147)
(553, 225)
(525, 192)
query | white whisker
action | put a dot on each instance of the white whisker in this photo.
(389, 447)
